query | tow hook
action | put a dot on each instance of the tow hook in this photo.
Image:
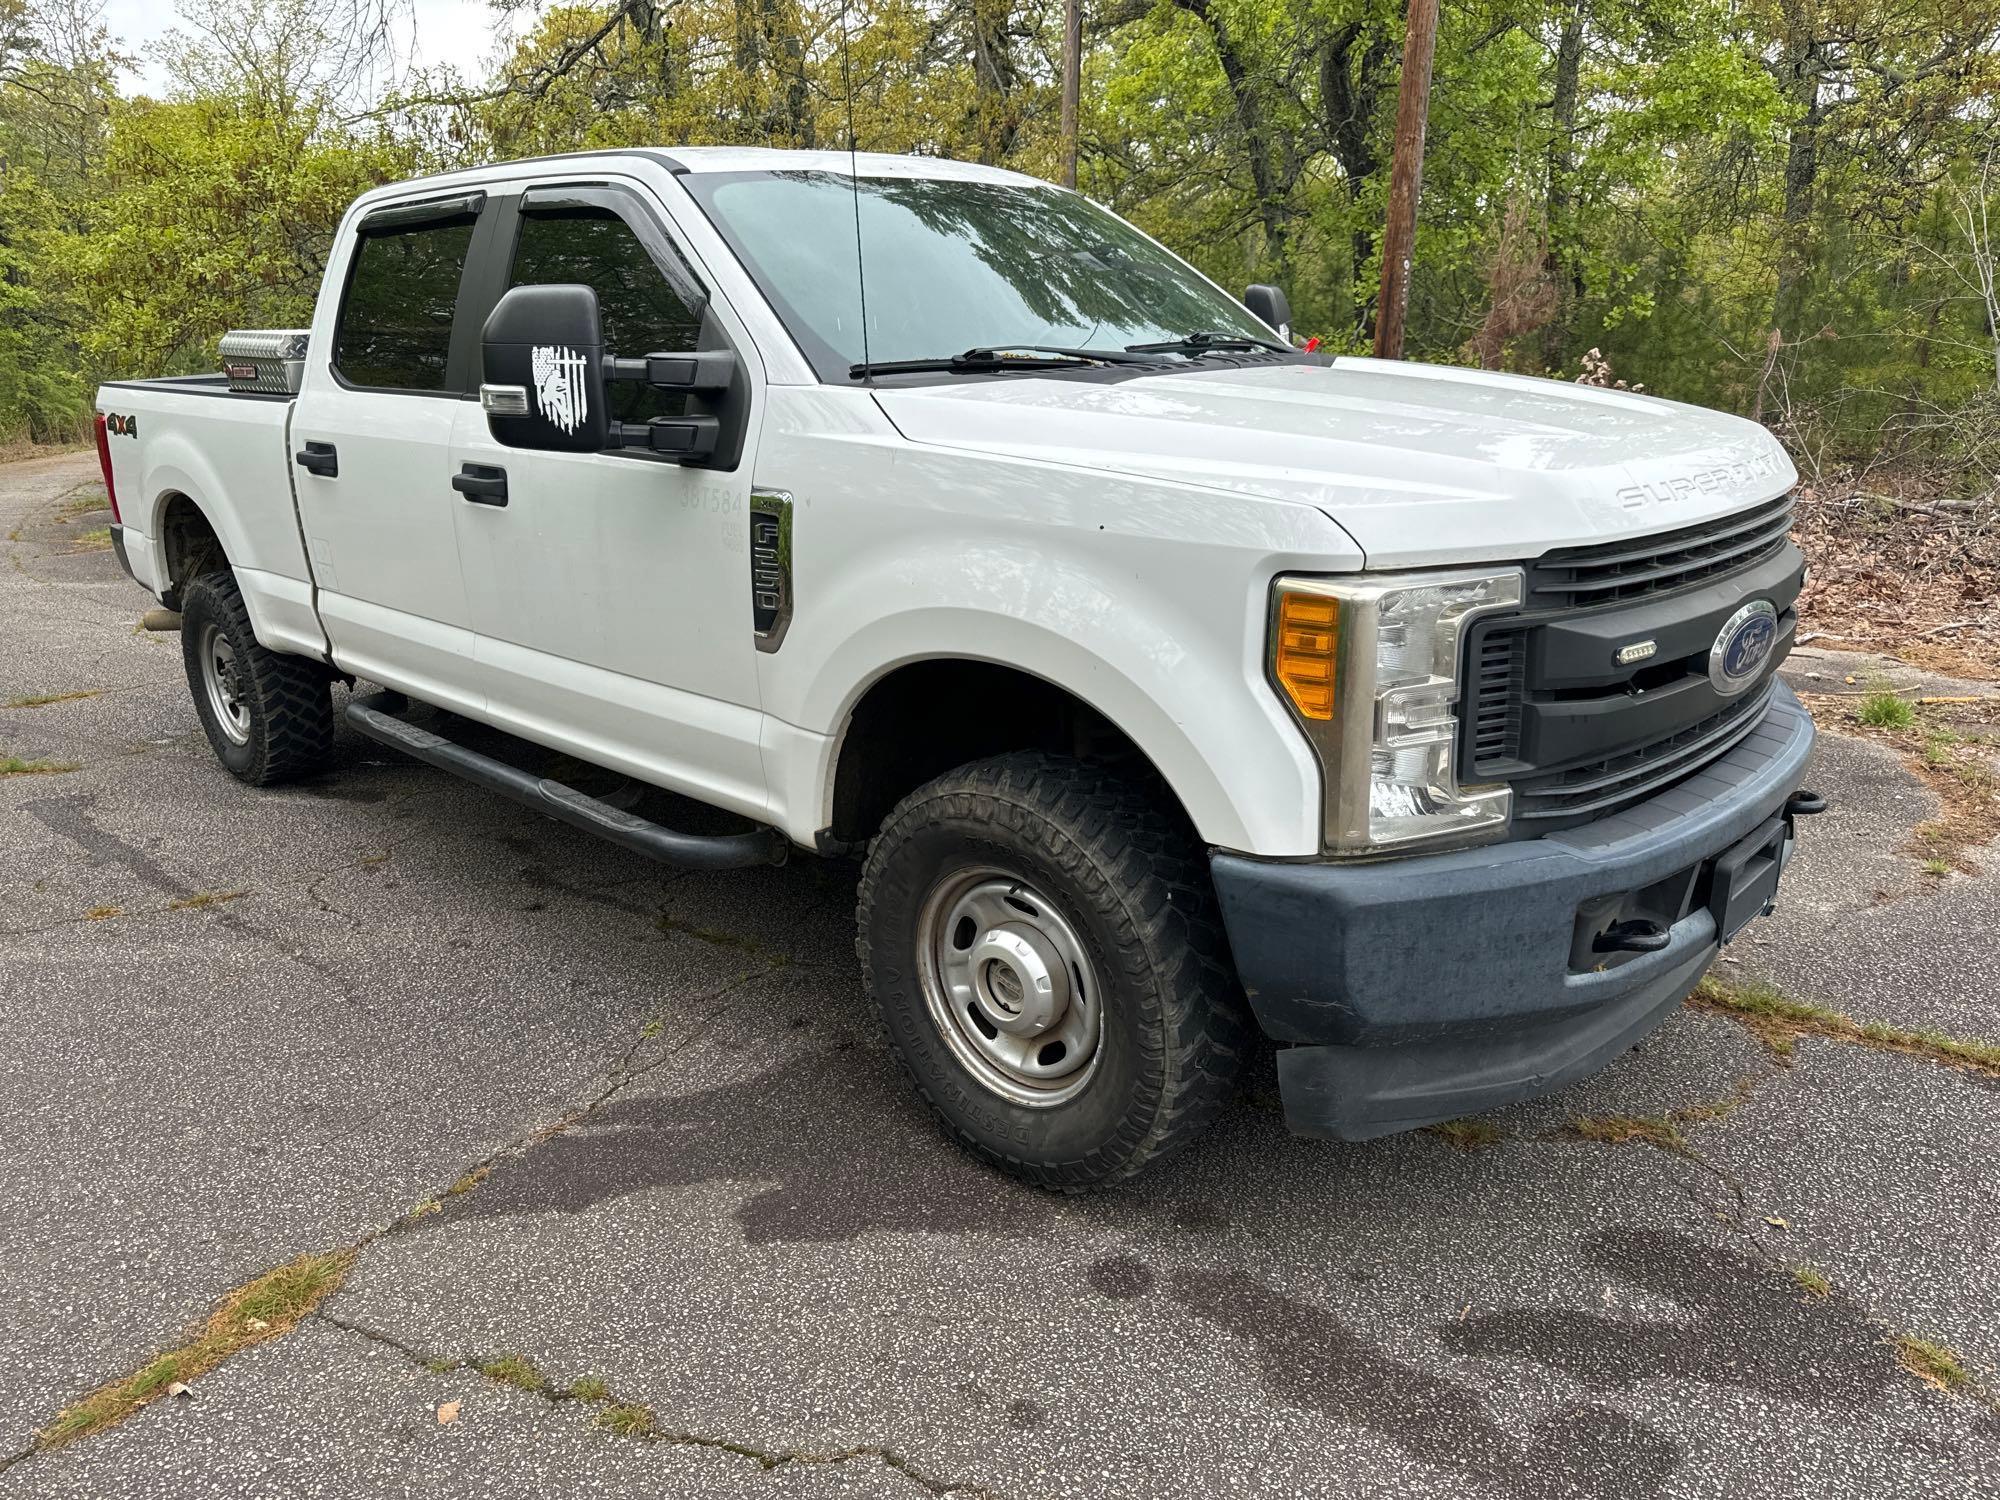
(1804, 804)
(1635, 935)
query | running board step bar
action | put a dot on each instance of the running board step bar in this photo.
(375, 717)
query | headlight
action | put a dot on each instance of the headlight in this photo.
(1369, 666)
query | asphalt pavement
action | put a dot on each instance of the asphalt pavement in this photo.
(243, 1026)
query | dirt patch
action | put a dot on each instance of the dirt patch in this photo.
(1952, 744)
(1901, 567)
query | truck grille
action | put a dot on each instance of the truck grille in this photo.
(1612, 573)
(1551, 711)
(1586, 790)
(1498, 680)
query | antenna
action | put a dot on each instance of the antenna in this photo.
(854, 181)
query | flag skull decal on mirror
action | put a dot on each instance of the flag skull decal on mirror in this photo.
(560, 388)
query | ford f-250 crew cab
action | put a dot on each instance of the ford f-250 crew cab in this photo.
(1171, 681)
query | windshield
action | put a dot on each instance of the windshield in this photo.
(954, 265)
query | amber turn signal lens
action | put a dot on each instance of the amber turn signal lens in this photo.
(1308, 629)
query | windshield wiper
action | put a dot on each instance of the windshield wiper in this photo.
(1206, 342)
(1000, 359)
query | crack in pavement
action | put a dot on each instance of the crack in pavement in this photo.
(768, 1459)
(620, 1075)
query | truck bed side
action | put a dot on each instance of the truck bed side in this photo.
(195, 454)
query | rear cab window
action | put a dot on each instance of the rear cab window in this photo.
(394, 331)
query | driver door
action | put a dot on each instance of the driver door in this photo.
(609, 593)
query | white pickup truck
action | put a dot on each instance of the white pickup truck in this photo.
(1172, 682)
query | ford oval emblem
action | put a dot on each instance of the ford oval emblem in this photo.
(1742, 647)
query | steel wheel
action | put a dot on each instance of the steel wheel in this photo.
(224, 682)
(1010, 986)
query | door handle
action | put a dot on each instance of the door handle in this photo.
(320, 459)
(482, 484)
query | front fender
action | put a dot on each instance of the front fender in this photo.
(1193, 703)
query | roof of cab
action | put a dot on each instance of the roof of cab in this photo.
(702, 160)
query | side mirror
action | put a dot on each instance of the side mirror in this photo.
(1271, 304)
(542, 370)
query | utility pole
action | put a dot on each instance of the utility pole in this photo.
(1072, 85)
(1406, 177)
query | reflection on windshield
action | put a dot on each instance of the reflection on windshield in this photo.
(953, 265)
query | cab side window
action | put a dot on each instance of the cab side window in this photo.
(641, 311)
(394, 331)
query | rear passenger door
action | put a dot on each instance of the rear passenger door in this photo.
(610, 593)
(371, 439)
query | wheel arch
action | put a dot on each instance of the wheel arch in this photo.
(916, 719)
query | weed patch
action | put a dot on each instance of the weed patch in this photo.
(1883, 709)
(1467, 1135)
(516, 1370)
(1954, 766)
(42, 700)
(13, 765)
(1933, 1364)
(258, 1310)
(627, 1421)
(1779, 1022)
(1812, 1281)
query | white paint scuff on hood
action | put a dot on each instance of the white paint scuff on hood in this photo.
(1420, 464)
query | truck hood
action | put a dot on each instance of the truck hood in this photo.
(1420, 464)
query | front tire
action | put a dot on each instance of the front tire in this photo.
(1042, 943)
(268, 716)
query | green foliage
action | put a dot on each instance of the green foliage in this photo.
(1774, 206)
(1882, 709)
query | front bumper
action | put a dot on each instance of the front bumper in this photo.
(1415, 990)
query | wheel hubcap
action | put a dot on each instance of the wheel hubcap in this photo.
(1009, 985)
(224, 682)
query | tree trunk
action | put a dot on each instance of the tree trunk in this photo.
(994, 80)
(1406, 177)
(1072, 85)
(1799, 79)
(1259, 144)
(1350, 93)
(1565, 273)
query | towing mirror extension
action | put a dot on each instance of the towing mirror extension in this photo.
(545, 376)
(377, 715)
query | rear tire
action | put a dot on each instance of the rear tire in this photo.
(268, 716)
(1042, 943)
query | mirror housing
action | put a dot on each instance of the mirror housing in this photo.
(542, 370)
(1271, 304)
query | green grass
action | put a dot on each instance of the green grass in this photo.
(1780, 1021)
(93, 541)
(38, 700)
(1812, 1281)
(1467, 1135)
(258, 1310)
(1933, 1364)
(83, 505)
(627, 1421)
(589, 1388)
(1882, 709)
(516, 1370)
(13, 765)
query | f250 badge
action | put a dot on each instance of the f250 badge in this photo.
(1742, 647)
(119, 426)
